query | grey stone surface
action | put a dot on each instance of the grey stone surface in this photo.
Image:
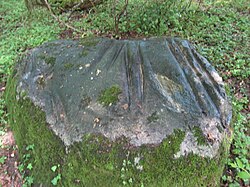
(165, 85)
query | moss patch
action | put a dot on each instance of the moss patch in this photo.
(84, 53)
(201, 139)
(153, 117)
(48, 60)
(89, 42)
(68, 65)
(96, 161)
(109, 96)
(30, 128)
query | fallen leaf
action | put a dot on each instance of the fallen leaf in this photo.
(97, 120)
(125, 106)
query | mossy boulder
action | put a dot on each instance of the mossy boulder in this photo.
(112, 113)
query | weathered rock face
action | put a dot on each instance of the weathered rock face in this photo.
(142, 90)
(138, 112)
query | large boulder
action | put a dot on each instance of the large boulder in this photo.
(147, 112)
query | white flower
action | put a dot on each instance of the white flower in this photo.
(137, 160)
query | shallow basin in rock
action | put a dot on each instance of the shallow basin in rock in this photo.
(129, 100)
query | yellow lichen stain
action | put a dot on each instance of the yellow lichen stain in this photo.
(169, 85)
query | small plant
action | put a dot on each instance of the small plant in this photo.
(28, 181)
(126, 178)
(57, 178)
(26, 166)
(239, 162)
(128, 168)
(3, 116)
(2, 159)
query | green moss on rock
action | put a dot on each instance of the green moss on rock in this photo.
(109, 96)
(96, 161)
(68, 65)
(84, 53)
(153, 117)
(30, 127)
(51, 60)
(201, 139)
(48, 60)
(89, 42)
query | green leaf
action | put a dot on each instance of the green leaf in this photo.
(29, 166)
(54, 181)
(30, 147)
(239, 163)
(224, 177)
(235, 184)
(59, 176)
(21, 167)
(233, 165)
(2, 159)
(244, 175)
(29, 180)
(53, 168)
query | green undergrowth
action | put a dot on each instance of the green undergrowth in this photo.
(238, 167)
(20, 30)
(98, 162)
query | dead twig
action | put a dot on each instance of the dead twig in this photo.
(58, 19)
(79, 5)
(75, 7)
